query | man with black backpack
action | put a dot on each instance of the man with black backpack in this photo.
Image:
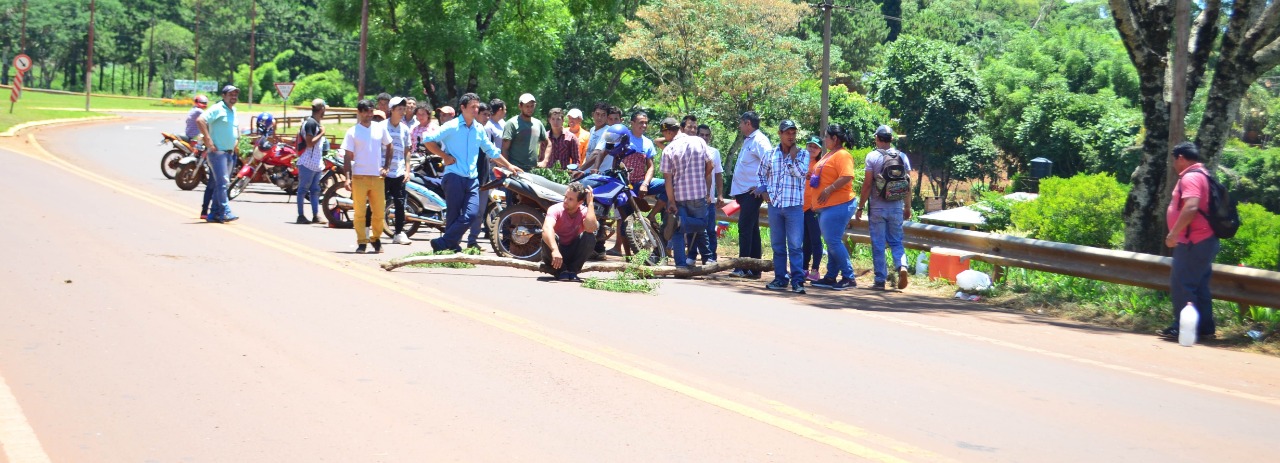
(886, 191)
(1199, 213)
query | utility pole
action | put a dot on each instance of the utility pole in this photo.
(364, 43)
(253, 40)
(88, 70)
(1178, 95)
(23, 41)
(195, 67)
(826, 65)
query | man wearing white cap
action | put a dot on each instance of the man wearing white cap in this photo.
(524, 137)
(575, 127)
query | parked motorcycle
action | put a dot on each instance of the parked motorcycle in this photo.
(518, 231)
(272, 163)
(614, 198)
(424, 204)
(181, 148)
(193, 169)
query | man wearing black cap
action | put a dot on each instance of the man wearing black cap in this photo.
(218, 126)
(781, 179)
(886, 193)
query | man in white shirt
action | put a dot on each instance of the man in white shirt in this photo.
(367, 146)
(717, 194)
(745, 181)
(397, 162)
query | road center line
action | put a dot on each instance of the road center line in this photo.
(821, 430)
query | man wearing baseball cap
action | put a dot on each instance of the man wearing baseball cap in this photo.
(887, 209)
(781, 182)
(218, 126)
(583, 135)
(524, 137)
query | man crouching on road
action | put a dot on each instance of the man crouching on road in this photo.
(569, 234)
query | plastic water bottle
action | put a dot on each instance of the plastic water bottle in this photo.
(1188, 321)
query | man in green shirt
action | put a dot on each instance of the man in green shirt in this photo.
(524, 138)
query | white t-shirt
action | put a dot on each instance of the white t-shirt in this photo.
(367, 144)
(399, 143)
(717, 167)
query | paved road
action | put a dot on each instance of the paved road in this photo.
(132, 332)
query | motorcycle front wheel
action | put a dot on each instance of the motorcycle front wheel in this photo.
(518, 234)
(237, 187)
(169, 163)
(642, 236)
(189, 176)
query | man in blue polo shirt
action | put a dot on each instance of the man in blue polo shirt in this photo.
(459, 142)
(218, 126)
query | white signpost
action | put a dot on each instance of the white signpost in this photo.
(284, 89)
(23, 64)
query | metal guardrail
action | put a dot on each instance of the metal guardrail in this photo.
(1229, 283)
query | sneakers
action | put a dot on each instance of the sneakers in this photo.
(302, 220)
(231, 218)
(400, 238)
(204, 216)
(813, 275)
(377, 246)
(318, 220)
(902, 278)
(878, 286)
(828, 283)
(739, 274)
(844, 283)
(360, 248)
(797, 288)
(690, 262)
(567, 276)
(776, 285)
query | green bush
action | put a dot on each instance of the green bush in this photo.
(996, 210)
(1084, 210)
(1257, 243)
(329, 85)
(1252, 175)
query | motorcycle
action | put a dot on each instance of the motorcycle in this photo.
(518, 231)
(272, 163)
(181, 148)
(424, 204)
(615, 198)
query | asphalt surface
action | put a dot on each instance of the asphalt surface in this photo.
(133, 332)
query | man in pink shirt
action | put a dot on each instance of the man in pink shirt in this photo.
(569, 234)
(1195, 247)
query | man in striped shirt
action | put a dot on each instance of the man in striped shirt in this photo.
(781, 176)
(686, 167)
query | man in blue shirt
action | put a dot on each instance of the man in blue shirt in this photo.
(218, 126)
(459, 142)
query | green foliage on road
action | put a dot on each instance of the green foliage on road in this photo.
(468, 251)
(634, 278)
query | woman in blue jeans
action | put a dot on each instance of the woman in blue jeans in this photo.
(812, 233)
(832, 181)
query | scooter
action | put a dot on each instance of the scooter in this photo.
(181, 148)
(272, 162)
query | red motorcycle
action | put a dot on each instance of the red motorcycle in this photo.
(272, 163)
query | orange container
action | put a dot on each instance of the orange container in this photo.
(947, 263)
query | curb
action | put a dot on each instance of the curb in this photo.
(176, 110)
(13, 131)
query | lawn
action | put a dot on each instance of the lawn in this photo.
(36, 106)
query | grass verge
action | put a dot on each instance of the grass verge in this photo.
(469, 251)
(36, 106)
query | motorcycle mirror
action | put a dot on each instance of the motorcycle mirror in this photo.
(571, 167)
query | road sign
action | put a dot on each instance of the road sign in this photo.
(22, 62)
(284, 89)
(189, 85)
(15, 91)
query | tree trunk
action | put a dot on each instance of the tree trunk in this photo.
(720, 266)
(450, 80)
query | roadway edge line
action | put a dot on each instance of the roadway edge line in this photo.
(16, 434)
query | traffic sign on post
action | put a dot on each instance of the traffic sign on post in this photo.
(22, 62)
(284, 89)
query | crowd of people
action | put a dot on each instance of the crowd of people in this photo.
(808, 188)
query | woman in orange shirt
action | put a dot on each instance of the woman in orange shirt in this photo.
(832, 182)
(812, 234)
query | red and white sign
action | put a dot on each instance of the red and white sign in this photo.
(16, 91)
(284, 89)
(22, 62)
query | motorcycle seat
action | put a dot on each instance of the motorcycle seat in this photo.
(545, 183)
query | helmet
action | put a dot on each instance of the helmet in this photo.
(266, 124)
(617, 134)
(201, 101)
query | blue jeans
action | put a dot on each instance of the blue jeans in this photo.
(833, 220)
(1189, 281)
(309, 184)
(705, 243)
(749, 225)
(478, 222)
(693, 218)
(812, 241)
(886, 228)
(462, 204)
(216, 191)
(786, 231)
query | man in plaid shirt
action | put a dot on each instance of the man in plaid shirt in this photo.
(686, 166)
(782, 176)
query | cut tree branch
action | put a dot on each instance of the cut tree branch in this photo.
(720, 266)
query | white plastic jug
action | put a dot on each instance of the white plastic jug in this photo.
(1188, 320)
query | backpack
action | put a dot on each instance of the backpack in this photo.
(304, 134)
(892, 181)
(1223, 216)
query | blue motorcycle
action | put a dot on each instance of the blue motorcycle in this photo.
(614, 198)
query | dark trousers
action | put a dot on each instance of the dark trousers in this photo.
(462, 201)
(749, 225)
(396, 199)
(1189, 281)
(812, 241)
(575, 253)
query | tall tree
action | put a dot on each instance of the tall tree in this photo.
(1248, 49)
